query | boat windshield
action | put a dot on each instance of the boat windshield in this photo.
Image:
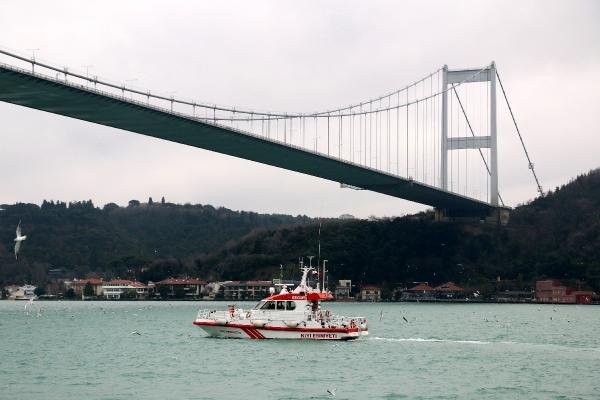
(275, 305)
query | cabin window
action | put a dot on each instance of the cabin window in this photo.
(291, 305)
(281, 305)
(269, 305)
(260, 305)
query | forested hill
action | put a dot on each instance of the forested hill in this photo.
(79, 237)
(555, 236)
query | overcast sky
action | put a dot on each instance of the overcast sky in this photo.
(296, 56)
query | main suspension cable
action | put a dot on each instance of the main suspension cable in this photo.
(473, 134)
(530, 164)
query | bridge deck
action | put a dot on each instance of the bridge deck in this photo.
(75, 101)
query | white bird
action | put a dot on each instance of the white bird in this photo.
(135, 333)
(331, 392)
(18, 240)
(28, 305)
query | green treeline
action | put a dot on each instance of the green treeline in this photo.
(80, 238)
(554, 236)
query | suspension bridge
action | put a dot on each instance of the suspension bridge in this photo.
(433, 141)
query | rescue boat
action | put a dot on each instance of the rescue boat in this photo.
(295, 314)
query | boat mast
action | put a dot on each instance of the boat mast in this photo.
(324, 274)
(319, 241)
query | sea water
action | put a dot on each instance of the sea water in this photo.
(87, 350)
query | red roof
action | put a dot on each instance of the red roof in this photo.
(124, 282)
(118, 282)
(248, 283)
(421, 287)
(448, 287)
(181, 281)
(83, 282)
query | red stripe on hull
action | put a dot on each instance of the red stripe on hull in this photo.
(248, 332)
(258, 334)
(280, 328)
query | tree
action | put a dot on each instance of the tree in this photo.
(88, 290)
(129, 294)
(163, 290)
(70, 294)
(179, 292)
(39, 291)
(134, 203)
(150, 202)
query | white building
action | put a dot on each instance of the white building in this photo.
(25, 292)
(113, 290)
(344, 289)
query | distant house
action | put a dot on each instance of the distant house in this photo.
(513, 296)
(25, 292)
(552, 291)
(421, 291)
(370, 293)
(449, 290)
(185, 286)
(121, 288)
(78, 285)
(343, 290)
(246, 290)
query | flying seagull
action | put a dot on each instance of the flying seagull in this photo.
(331, 392)
(18, 240)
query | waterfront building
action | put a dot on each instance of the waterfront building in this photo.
(421, 291)
(513, 296)
(25, 292)
(185, 287)
(552, 291)
(118, 288)
(343, 290)
(78, 286)
(370, 293)
(449, 290)
(245, 290)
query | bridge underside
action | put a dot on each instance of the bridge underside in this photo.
(22, 88)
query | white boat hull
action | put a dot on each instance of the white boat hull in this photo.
(249, 331)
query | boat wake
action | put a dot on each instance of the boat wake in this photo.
(431, 340)
(483, 342)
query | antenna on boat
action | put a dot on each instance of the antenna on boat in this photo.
(324, 273)
(319, 241)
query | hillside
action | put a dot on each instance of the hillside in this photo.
(555, 236)
(80, 238)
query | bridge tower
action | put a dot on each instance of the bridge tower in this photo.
(483, 139)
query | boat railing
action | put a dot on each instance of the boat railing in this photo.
(323, 316)
(238, 313)
(346, 321)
